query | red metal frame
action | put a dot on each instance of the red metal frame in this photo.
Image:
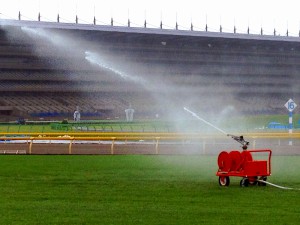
(241, 164)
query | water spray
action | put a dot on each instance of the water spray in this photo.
(55, 39)
(96, 59)
(239, 139)
(203, 120)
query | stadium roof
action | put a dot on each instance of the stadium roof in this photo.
(171, 33)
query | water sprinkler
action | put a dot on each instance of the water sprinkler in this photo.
(241, 140)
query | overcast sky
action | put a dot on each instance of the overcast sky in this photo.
(268, 14)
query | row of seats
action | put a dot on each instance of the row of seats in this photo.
(40, 80)
(44, 105)
(108, 105)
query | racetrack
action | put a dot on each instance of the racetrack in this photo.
(197, 147)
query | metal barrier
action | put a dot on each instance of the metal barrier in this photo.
(146, 134)
(29, 138)
(30, 141)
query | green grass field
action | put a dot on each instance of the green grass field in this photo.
(140, 189)
(245, 123)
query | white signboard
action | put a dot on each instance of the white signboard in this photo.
(290, 105)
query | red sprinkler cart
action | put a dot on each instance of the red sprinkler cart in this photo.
(242, 164)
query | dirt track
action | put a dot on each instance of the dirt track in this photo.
(139, 148)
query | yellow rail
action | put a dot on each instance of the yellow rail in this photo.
(120, 136)
(139, 135)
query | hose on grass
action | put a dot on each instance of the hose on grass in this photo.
(278, 186)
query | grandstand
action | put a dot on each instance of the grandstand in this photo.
(45, 75)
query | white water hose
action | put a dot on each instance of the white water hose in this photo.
(278, 186)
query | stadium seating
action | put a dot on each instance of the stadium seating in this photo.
(210, 75)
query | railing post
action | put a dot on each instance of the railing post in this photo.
(112, 145)
(30, 145)
(70, 145)
(156, 145)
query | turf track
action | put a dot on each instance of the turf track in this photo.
(140, 189)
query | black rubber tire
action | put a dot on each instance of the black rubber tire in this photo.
(253, 181)
(224, 181)
(244, 182)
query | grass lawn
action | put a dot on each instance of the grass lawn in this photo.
(140, 189)
(247, 123)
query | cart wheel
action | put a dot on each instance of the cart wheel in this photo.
(224, 181)
(244, 182)
(262, 183)
(253, 180)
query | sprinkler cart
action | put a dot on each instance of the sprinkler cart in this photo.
(242, 164)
